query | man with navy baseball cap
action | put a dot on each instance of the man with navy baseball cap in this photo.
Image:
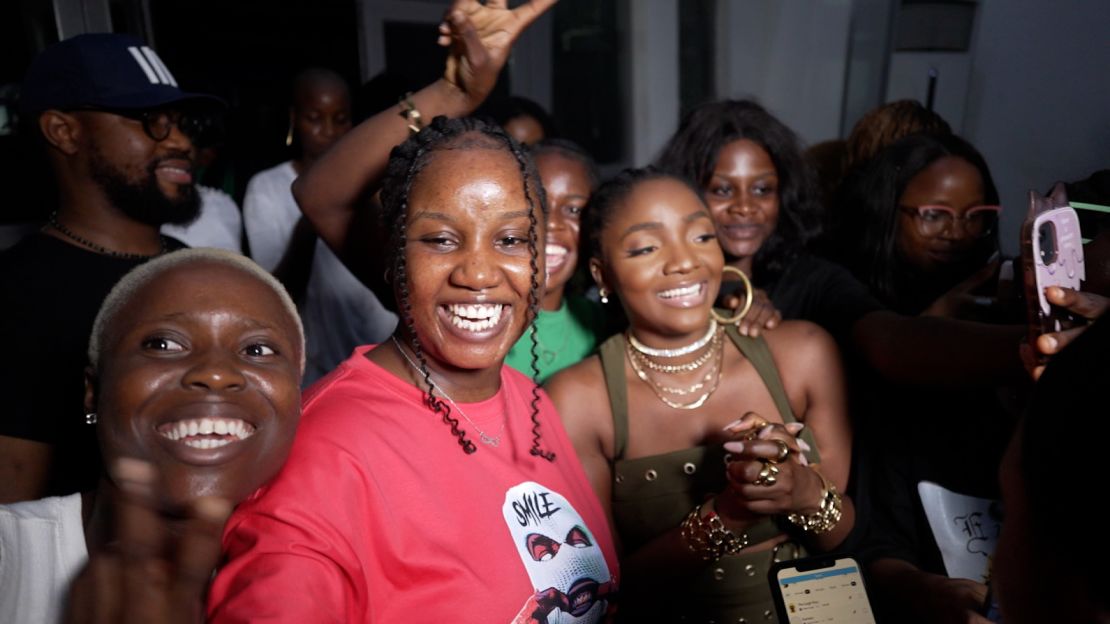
(118, 132)
(106, 71)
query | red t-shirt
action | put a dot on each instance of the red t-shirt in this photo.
(379, 516)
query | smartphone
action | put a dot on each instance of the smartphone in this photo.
(825, 590)
(1051, 255)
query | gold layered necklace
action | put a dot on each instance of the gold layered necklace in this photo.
(675, 368)
(642, 358)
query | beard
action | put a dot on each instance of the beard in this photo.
(143, 200)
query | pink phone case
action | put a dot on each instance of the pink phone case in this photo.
(1063, 265)
(1052, 255)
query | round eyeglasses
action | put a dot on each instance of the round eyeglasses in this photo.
(977, 222)
(158, 123)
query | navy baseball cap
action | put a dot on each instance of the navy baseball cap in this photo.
(103, 71)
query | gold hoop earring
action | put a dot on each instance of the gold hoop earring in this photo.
(289, 136)
(732, 320)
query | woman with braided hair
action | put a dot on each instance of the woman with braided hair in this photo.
(419, 486)
(429, 482)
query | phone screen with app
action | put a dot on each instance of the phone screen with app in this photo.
(822, 592)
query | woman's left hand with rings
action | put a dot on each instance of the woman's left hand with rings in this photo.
(768, 477)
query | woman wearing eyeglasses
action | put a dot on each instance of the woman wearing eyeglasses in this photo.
(750, 169)
(924, 218)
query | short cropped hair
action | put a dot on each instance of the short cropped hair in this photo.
(140, 276)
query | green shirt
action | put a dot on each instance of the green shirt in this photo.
(563, 337)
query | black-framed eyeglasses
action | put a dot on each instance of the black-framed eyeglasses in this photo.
(158, 123)
(978, 222)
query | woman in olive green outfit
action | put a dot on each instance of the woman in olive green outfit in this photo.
(701, 443)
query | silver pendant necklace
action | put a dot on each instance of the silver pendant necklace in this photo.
(482, 435)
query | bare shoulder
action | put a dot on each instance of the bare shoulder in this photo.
(581, 387)
(582, 400)
(811, 370)
(800, 341)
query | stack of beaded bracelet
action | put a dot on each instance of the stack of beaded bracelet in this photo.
(709, 538)
(827, 515)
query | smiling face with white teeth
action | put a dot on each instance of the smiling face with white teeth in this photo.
(200, 376)
(468, 257)
(567, 183)
(659, 254)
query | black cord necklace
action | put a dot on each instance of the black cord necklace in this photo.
(88, 244)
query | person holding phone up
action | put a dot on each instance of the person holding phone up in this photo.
(925, 218)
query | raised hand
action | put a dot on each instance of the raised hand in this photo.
(156, 569)
(480, 37)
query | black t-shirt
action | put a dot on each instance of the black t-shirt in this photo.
(52, 292)
(954, 438)
(814, 289)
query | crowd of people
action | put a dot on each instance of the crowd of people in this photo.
(438, 368)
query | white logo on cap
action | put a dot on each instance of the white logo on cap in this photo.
(152, 66)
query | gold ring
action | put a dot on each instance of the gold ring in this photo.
(759, 424)
(767, 475)
(784, 452)
(753, 433)
(736, 318)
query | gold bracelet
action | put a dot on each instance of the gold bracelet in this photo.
(410, 114)
(827, 515)
(709, 538)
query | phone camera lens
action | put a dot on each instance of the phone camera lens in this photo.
(1046, 239)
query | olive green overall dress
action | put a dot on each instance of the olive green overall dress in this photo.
(652, 495)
